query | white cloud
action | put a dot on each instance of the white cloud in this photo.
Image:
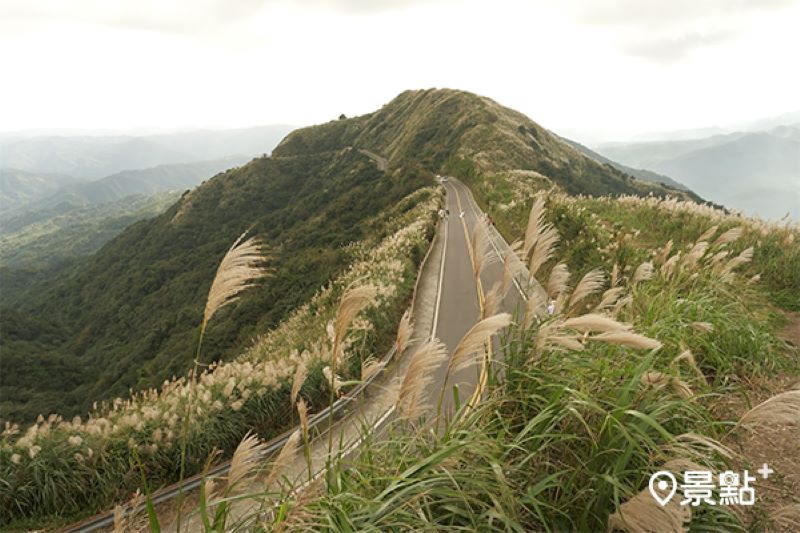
(597, 70)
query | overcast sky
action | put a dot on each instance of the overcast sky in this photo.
(594, 70)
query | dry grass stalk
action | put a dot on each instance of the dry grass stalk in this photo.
(702, 327)
(609, 298)
(493, 299)
(570, 342)
(731, 235)
(354, 300)
(285, 457)
(594, 322)
(235, 273)
(543, 249)
(534, 308)
(787, 518)
(299, 378)
(669, 265)
(614, 275)
(404, 332)
(626, 338)
(783, 408)
(708, 233)
(480, 247)
(369, 368)
(745, 257)
(643, 514)
(474, 341)
(658, 380)
(245, 461)
(700, 446)
(590, 283)
(695, 254)
(687, 356)
(754, 279)
(557, 283)
(333, 380)
(418, 376)
(643, 273)
(662, 253)
(535, 224)
(302, 413)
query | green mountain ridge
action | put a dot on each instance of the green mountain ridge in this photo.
(126, 318)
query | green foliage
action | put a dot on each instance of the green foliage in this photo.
(44, 239)
(128, 316)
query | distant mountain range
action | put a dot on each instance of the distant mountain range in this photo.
(638, 173)
(93, 157)
(755, 172)
(147, 181)
(126, 316)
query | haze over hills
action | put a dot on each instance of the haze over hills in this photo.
(644, 175)
(93, 157)
(755, 172)
(147, 181)
(127, 316)
(19, 187)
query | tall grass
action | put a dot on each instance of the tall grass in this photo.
(56, 470)
(590, 406)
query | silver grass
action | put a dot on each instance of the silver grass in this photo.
(418, 376)
(783, 408)
(535, 223)
(731, 235)
(543, 250)
(663, 253)
(609, 298)
(590, 283)
(787, 518)
(353, 301)
(404, 331)
(245, 460)
(236, 272)
(643, 514)
(643, 273)
(480, 247)
(474, 341)
(557, 283)
(708, 233)
(300, 375)
(594, 322)
(626, 338)
(285, 457)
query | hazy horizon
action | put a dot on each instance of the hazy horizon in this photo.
(608, 71)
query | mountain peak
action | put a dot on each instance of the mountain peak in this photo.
(431, 130)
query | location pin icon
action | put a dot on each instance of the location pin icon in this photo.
(663, 486)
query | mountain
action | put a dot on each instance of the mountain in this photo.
(126, 317)
(148, 181)
(756, 172)
(93, 157)
(18, 187)
(49, 237)
(638, 173)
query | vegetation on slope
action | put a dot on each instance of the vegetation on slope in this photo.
(73, 231)
(622, 380)
(58, 468)
(127, 317)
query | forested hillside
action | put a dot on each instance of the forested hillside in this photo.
(127, 317)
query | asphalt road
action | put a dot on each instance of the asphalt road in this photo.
(451, 292)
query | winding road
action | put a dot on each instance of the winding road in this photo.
(446, 306)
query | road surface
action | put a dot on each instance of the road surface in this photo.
(446, 307)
